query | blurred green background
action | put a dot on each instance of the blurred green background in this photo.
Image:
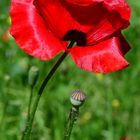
(112, 108)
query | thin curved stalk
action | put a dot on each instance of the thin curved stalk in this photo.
(28, 129)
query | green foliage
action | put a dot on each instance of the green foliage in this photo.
(112, 108)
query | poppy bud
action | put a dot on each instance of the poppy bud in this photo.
(33, 75)
(77, 98)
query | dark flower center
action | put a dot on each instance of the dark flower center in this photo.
(76, 36)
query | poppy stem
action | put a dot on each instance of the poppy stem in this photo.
(77, 99)
(73, 115)
(28, 129)
(30, 103)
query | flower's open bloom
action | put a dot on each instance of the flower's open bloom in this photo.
(43, 28)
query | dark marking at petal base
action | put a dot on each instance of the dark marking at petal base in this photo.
(76, 36)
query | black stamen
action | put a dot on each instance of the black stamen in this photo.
(76, 36)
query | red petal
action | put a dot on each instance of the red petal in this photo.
(30, 31)
(22, 1)
(103, 30)
(112, 16)
(82, 2)
(58, 17)
(119, 6)
(104, 57)
(63, 16)
(126, 47)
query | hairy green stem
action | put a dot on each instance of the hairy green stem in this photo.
(74, 113)
(28, 129)
(30, 103)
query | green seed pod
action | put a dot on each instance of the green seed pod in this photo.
(33, 75)
(77, 98)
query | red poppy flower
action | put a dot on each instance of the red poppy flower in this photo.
(42, 28)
